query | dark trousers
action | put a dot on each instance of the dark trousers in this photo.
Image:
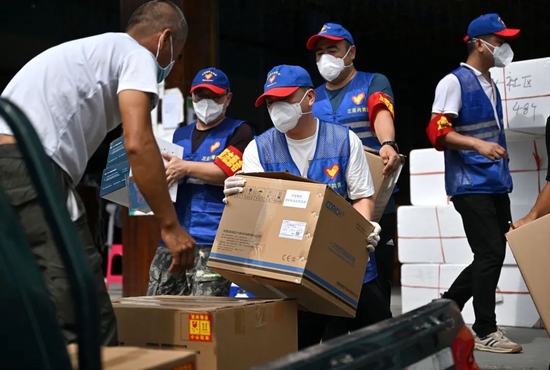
(385, 253)
(372, 308)
(485, 218)
(17, 184)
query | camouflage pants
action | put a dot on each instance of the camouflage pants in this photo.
(199, 281)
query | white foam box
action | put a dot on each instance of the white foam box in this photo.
(427, 173)
(421, 283)
(435, 234)
(524, 88)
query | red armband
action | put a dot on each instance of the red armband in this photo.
(230, 160)
(376, 102)
(438, 127)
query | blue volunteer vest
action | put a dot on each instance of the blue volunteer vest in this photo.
(328, 166)
(352, 112)
(199, 205)
(467, 171)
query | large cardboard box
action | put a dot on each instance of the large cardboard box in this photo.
(287, 236)
(117, 184)
(226, 333)
(117, 358)
(531, 247)
(383, 186)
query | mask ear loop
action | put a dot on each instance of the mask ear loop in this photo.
(299, 104)
(347, 52)
(158, 48)
(485, 43)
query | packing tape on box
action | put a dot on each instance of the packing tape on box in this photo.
(536, 158)
(440, 289)
(440, 237)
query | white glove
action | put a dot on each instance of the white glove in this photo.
(233, 185)
(374, 237)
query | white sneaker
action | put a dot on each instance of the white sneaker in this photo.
(497, 342)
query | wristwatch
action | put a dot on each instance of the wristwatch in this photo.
(393, 144)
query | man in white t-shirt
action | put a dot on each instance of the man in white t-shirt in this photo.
(74, 94)
(328, 153)
(467, 124)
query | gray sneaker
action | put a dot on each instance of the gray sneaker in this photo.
(497, 342)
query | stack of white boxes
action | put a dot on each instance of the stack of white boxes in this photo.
(432, 245)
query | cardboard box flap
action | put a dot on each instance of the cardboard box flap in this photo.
(529, 246)
(280, 176)
(192, 304)
(118, 358)
(377, 152)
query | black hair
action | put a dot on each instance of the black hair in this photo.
(157, 15)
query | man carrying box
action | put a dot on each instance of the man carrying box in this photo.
(467, 124)
(332, 154)
(362, 101)
(73, 94)
(212, 151)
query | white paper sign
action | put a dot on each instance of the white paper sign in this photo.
(172, 108)
(172, 149)
(524, 88)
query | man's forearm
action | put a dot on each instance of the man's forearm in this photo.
(456, 141)
(149, 175)
(542, 205)
(365, 206)
(207, 172)
(383, 124)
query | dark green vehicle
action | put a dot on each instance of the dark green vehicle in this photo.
(432, 337)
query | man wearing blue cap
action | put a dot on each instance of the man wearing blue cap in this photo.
(363, 102)
(212, 151)
(304, 145)
(467, 124)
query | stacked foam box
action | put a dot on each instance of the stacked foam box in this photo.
(432, 245)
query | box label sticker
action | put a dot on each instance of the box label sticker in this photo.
(296, 198)
(186, 366)
(200, 327)
(292, 230)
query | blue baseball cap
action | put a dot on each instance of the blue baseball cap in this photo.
(490, 24)
(331, 31)
(212, 79)
(282, 81)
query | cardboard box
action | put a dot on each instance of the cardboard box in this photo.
(117, 358)
(117, 183)
(287, 236)
(383, 187)
(227, 333)
(529, 244)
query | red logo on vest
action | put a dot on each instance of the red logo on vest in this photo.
(214, 146)
(358, 99)
(332, 171)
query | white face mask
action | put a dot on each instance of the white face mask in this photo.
(284, 115)
(330, 67)
(207, 110)
(502, 54)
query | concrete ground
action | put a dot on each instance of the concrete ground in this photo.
(535, 342)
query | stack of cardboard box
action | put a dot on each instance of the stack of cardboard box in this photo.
(291, 241)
